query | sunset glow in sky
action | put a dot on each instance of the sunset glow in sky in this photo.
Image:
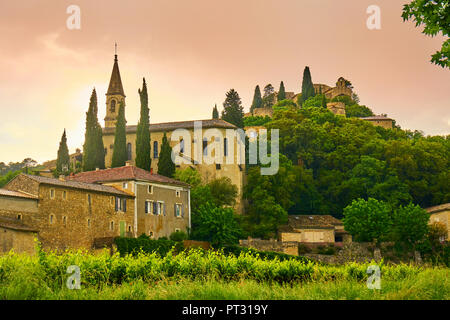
(192, 51)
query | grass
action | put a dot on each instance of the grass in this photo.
(210, 276)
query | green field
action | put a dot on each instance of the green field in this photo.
(209, 275)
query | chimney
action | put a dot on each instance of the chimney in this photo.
(151, 170)
(127, 163)
(62, 178)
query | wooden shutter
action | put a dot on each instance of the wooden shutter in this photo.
(175, 209)
(124, 205)
(116, 203)
(164, 208)
(182, 211)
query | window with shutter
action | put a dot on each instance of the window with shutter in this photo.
(155, 208)
(124, 205)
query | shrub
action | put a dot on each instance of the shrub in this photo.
(178, 236)
(144, 244)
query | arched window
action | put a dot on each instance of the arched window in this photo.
(155, 149)
(182, 146)
(113, 105)
(129, 151)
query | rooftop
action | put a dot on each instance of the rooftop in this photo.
(170, 126)
(17, 194)
(376, 118)
(15, 224)
(77, 185)
(441, 207)
(310, 222)
(122, 174)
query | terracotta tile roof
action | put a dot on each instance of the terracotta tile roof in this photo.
(310, 222)
(15, 224)
(375, 118)
(77, 185)
(123, 174)
(170, 126)
(441, 207)
(18, 194)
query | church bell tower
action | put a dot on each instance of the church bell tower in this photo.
(114, 96)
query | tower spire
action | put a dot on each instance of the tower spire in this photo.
(115, 83)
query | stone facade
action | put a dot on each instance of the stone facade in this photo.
(337, 108)
(72, 215)
(380, 121)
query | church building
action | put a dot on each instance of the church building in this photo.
(116, 95)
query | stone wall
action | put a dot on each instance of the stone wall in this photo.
(271, 245)
(18, 240)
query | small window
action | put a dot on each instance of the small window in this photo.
(205, 146)
(181, 146)
(148, 206)
(129, 228)
(113, 105)
(150, 189)
(160, 208)
(129, 153)
(52, 219)
(150, 234)
(64, 195)
(218, 166)
(225, 147)
(19, 217)
(111, 226)
(177, 230)
(89, 223)
(178, 209)
(178, 193)
(52, 193)
(89, 199)
(106, 151)
(64, 220)
(125, 185)
(155, 149)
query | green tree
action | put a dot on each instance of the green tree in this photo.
(189, 176)
(269, 96)
(215, 113)
(368, 220)
(257, 100)
(93, 148)
(357, 111)
(307, 86)
(435, 15)
(217, 225)
(63, 159)
(281, 93)
(166, 167)
(223, 191)
(233, 112)
(119, 156)
(410, 224)
(143, 159)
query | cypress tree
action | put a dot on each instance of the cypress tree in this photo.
(281, 92)
(307, 86)
(119, 156)
(215, 113)
(143, 159)
(233, 112)
(257, 100)
(324, 101)
(63, 159)
(166, 167)
(93, 149)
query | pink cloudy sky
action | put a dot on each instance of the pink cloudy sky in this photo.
(192, 51)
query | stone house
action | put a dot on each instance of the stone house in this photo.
(380, 121)
(70, 214)
(440, 214)
(15, 235)
(161, 206)
(313, 229)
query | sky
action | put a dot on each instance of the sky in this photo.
(191, 52)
